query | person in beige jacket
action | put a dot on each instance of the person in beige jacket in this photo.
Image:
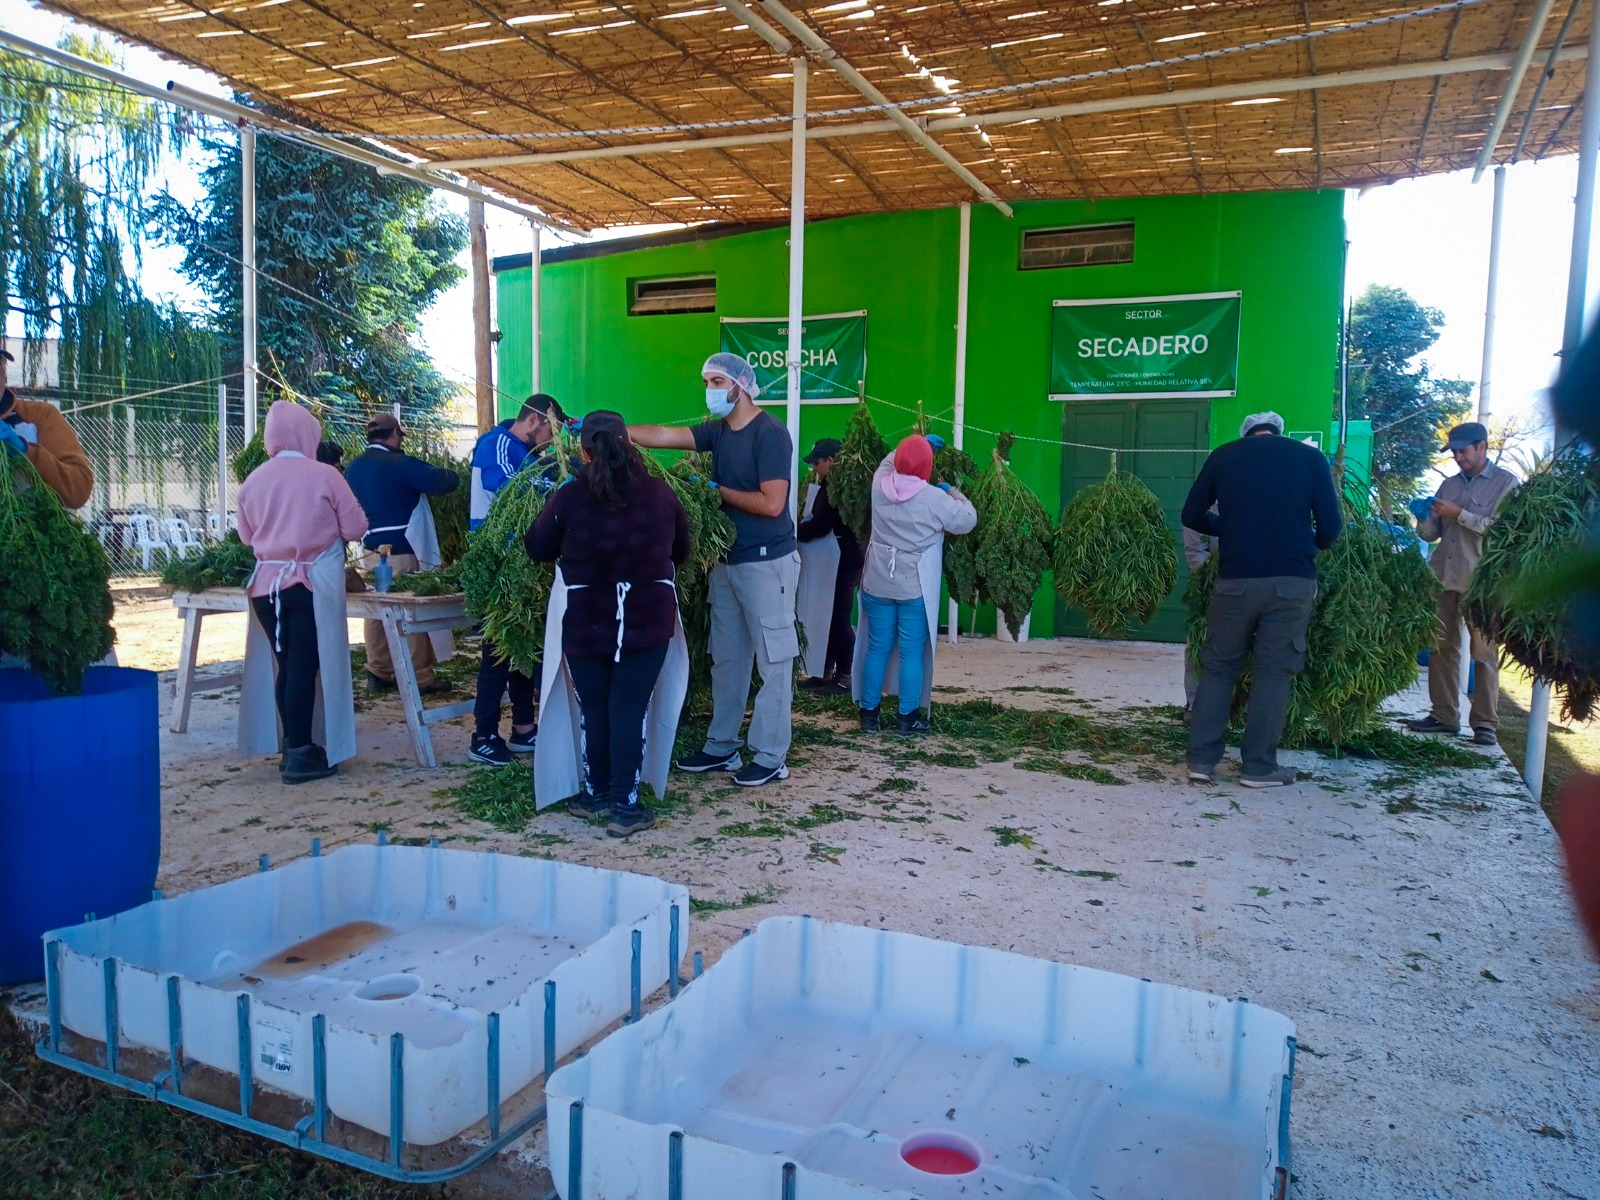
(1461, 513)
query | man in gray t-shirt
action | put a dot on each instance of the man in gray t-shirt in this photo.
(752, 593)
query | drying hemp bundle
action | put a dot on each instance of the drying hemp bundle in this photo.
(55, 597)
(227, 563)
(1375, 612)
(505, 589)
(1538, 536)
(1012, 541)
(956, 468)
(850, 481)
(710, 535)
(1114, 556)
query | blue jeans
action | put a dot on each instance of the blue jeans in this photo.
(890, 623)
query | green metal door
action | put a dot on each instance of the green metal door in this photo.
(1182, 426)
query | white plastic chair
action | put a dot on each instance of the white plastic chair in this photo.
(147, 537)
(181, 536)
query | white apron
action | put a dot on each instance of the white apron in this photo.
(558, 753)
(333, 723)
(813, 601)
(929, 573)
(423, 537)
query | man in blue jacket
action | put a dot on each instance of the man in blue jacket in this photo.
(502, 452)
(1275, 509)
(389, 484)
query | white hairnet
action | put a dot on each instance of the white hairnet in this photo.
(1257, 420)
(739, 370)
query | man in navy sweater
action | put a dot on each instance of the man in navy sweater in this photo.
(389, 483)
(1276, 509)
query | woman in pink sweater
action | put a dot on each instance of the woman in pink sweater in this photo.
(292, 511)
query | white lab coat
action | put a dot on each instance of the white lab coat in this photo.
(819, 573)
(558, 754)
(333, 722)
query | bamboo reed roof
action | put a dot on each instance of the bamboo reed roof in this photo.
(472, 79)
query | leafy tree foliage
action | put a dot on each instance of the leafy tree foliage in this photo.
(347, 259)
(1410, 409)
(77, 160)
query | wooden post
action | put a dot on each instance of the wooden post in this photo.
(482, 357)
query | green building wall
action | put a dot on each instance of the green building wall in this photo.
(1284, 251)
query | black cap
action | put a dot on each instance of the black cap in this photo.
(1469, 434)
(545, 406)
(383, 425)
(824, 448)
(603, 420)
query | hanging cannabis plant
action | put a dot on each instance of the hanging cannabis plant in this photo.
(1013, 539)
(1114, 555)
(850, 481)
(55, 593)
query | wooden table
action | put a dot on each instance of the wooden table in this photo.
(402, 614)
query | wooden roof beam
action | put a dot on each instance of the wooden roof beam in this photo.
(1225, 91)
(827, 56)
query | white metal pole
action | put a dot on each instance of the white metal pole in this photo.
(1571, 335)
(1495, 222)
(958, 433)
(536, 269)
(247, 232)
(222, 460)
(797, 276)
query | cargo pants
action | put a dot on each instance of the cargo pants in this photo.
(752, 625)
(1267, 617)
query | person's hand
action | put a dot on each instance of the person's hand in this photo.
(1443, 508)
(935, 441)
(942, 486)
(27, 432)
(1421, 509)
(11, 439)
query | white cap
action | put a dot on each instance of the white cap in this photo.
(1257, 420)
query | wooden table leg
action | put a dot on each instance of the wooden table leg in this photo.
(405, 678)
(188, 652)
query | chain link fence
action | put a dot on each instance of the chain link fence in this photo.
(163, 477)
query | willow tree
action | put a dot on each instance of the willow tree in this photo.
(78, 162)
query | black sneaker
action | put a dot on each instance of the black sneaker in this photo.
(1484, 737)
(629, 819)
(1431, 724)
(431, 689)
(522, 743)
(489, 748)
(306, 763)
(589, 806)
(813, 683)
(870, 721)
(754, 774)
(912, 724)
(700, 761)
(374, 684)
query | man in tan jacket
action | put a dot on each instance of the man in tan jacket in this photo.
(1458, 518)
(40, 431)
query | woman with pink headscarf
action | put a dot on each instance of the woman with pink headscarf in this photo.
(296, 514)
(900, 581)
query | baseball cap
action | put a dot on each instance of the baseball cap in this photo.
(824, 448)
(383, 424)
(1466, 435)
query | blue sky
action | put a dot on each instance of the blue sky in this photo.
(1429, 236)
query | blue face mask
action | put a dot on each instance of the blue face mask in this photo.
(718, 402)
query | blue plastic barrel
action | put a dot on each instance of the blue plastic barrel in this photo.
(80, 805)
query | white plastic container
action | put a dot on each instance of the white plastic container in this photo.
(849, 1051)
(425, 942)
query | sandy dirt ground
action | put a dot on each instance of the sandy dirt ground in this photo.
(1414, 925)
